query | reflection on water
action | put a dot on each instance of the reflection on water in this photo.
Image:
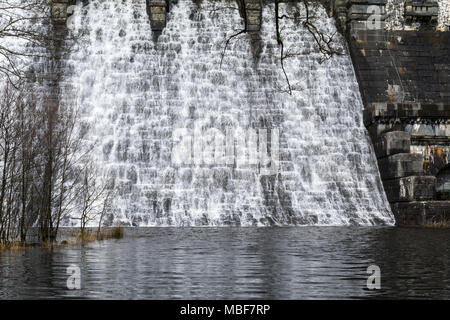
(238, 263)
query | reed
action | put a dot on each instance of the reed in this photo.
(14, 245)
(444, 224)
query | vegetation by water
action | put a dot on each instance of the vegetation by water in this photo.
(79, 238)
(438, 225)
(114, 233)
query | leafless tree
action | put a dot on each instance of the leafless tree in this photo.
(19, 124)
(23, 25)
(323, 41)
(42, 141)
(107, 199)
(94, 193)
(64, 151)
(40, 159)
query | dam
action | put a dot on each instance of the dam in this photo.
(136, 85)
(230, 149)
(237, 113)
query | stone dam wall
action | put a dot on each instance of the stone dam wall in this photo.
(403, 70)
(401, 53)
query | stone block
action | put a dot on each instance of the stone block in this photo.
(420, 213)
(393, 142)
(443, 184)
(253, 20)
(412, 188)
(157, 10)
(253, 27)
(434, 112)
(356, 25)
(253, 5)
(368, 2)
(59, 12)
(401, 165)
(159, 17)
(423, 9)
(364, 9)
(157, 3)
(253, 12)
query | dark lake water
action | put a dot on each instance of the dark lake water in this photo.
(238, 263)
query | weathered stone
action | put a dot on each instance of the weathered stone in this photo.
(159, 17)
(365, 10)
(253, 10)
(160, 9)
(362, 14)
(404, 82)
(157, 3)
(382, 110)
(443, 184)
(401, 165)
(412, 188)
(253, 5)
(421, 11)
(420, 213)
(253, 20)
(393, 142)
(435, 152)
(371, 2)
(157, 10)
(59, 12)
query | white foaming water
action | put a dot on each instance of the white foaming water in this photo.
(134, 90)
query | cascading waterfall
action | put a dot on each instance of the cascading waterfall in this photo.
(135, 89)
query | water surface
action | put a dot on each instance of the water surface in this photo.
(238, 263)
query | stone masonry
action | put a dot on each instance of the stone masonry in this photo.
(253, 14)
(404, 79)
(157, 11)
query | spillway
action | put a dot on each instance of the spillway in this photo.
(148, 98)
